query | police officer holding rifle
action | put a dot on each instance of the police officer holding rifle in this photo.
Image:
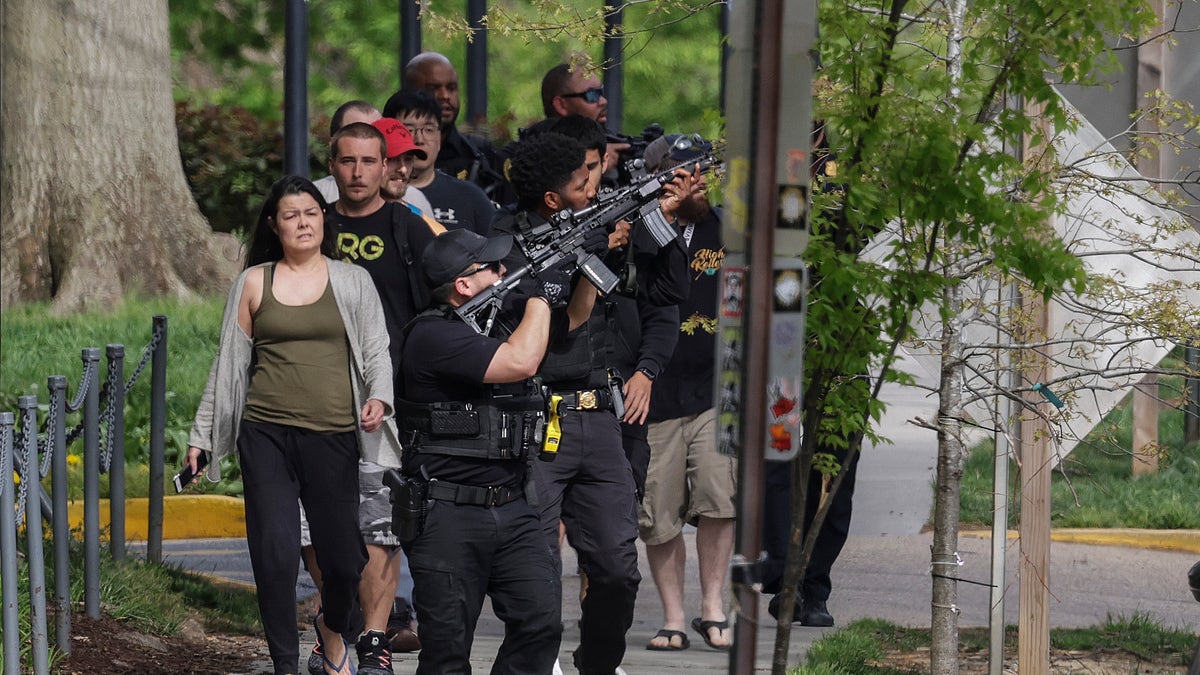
(472, 419)
(590, 484)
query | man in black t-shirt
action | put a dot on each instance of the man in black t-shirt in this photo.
(473, 418)
(456, 203)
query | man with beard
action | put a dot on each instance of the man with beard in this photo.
(464, 156)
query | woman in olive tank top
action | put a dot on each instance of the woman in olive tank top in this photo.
(301, 387)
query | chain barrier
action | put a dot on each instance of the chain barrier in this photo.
(4, 432)
(24, 454)
(46, 445)
(107, 417)
(148, 352)
(83, 387)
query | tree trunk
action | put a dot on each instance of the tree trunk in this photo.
(94, 202)
(948, 486)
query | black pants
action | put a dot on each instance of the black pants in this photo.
(637, 451)
(465, 552)
(590, 487)
(280, 464)
(777, 524)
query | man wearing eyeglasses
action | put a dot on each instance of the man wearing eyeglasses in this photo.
(472, 419)
(457, 204)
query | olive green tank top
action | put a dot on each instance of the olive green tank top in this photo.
(301, 374)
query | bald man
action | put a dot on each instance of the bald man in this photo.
(464, 156)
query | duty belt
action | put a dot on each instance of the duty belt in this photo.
(587, 399)
(475, 495)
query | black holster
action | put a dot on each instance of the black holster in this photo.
(408, 505)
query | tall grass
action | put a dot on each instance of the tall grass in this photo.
(858, 647)
(1095, 486)
(37, 345)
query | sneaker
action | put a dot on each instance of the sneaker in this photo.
(316, 660)
(813, 613)
(374, 654)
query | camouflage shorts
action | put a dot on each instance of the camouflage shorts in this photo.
(374, 509)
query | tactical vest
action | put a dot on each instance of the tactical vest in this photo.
(500, 427)
(508, 424)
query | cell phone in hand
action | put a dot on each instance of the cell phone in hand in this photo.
(185, 477)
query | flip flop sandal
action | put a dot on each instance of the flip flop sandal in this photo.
(702, 627)
(684, 643)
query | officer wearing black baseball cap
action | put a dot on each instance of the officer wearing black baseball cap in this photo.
(472, 418)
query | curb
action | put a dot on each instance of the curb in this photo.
(185, 517)
(1186, 541)
(221, 517)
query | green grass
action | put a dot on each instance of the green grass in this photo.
(151, 598)
(37, 345)
(853, 649)
(1095, 485)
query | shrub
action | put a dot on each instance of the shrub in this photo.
(231, 157)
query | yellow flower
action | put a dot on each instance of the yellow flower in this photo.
(16, 478)
(74, 460)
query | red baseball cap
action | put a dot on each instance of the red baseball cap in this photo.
(399, 140)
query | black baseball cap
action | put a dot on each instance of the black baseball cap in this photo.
(672, 149)
(453, 251)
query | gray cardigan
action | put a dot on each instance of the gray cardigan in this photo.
(219, 416)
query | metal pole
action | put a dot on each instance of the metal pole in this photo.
(91, 483)
(1191, 414)
(614, 65)
(40, 644)
(410, 32)
(116, 453)
(158, 424)
(295, 88)
(8, 548)
(60, 525)
(477, 62)
(726, 48)
(1000, 465)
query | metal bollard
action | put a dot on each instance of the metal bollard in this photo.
(40, 644)
(158, 424)
(91, 483)
(8, 548)
(116, 452)
(60, 525)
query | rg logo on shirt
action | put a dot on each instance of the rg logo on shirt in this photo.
(369, 247)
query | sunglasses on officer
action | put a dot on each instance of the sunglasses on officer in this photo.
(494, 266)
(592, 95)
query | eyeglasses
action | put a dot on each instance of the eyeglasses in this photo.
(427, 130)
(493, 266)
(592, 95)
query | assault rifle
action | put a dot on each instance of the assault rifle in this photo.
(559, 240)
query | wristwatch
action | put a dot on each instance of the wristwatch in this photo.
(650, 374)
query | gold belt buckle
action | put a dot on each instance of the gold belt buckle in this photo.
(587, 399)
